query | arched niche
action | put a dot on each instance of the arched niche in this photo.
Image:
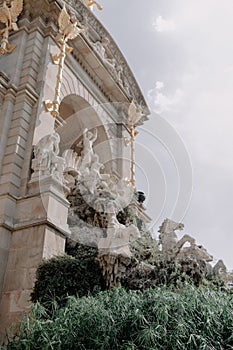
(78, 115)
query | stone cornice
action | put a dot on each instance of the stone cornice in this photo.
(82, 12)
(6, 88)
(48, 11)
(10, 89)
(4, 80)
(29, 93)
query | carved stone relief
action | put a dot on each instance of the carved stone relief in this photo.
(46, 160)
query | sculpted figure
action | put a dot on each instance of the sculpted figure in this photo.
(91, 177)
(68, 29)
(8, 16)
(126, 86)
(196, 252)
(100, 47)
(72, 160)
(87, 153)
(168, 239)
(172, 247)
(46, 149)
(220, 268)
(135, 114)
(95, 173)
(46, 153)
(119, 72)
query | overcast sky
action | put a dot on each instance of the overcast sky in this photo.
(181, 54)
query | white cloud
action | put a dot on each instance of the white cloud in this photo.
(159, 85)
(160, 102)
(162, 25)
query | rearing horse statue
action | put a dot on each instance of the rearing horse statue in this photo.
(168, 239)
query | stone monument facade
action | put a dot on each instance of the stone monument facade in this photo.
(40, 152)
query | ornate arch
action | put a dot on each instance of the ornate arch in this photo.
(72, 86)
(79, 115)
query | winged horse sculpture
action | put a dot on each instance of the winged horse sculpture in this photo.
(8, 16)
(90, 3)
(68, 29)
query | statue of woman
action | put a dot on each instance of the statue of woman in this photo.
(46, 151)
(87, 153)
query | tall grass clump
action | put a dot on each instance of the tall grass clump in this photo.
(189, 319)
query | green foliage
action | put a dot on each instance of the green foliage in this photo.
(65, 275)
(145, 248)
(169, 273)
(80, 251)
(128, 216)
(158, 319)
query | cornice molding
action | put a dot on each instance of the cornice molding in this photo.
(94, 25)
(44, 14)
(49, 11)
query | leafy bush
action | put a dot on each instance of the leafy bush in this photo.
(65, 275)
(172, 273)
(191, 319)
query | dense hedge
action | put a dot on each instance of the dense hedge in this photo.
(191, 319)
(65, 275)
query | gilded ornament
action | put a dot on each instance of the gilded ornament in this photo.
(68, 30)
(90, 3)
(134, 115)
(8, 16)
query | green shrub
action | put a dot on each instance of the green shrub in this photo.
(65, 275)
(81, 251)
(158, 319)
(172, 273)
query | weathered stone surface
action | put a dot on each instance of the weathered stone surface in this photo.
(28, 247)
(34, 209)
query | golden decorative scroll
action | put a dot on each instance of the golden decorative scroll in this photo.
(134, 116)
(68, 30)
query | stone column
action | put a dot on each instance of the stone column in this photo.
(40, 230)
(33, 214)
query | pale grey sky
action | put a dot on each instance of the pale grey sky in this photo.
(181, 53)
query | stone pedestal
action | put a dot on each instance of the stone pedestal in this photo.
(118, 240)
(114, 246)
(39, 232)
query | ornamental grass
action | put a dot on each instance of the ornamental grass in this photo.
(153, 319)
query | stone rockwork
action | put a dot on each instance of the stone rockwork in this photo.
(98, 203)
(165, 262)
(114, 267)
(95, 197)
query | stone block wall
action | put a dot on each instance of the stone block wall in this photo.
(28, 230)
(33, 214)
